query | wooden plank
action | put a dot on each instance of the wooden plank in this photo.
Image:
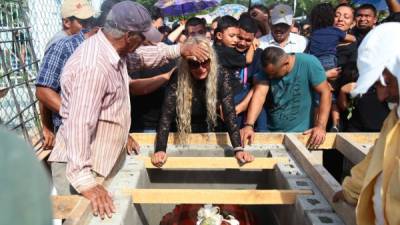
(42, 154)
(82, 212)
(64, 205)
(205, 196)
(328, 143)
(260, 138)
(320, 176)
(214, 163)
(223, 138)
(351, 150)
(361, 138)
(208, 138)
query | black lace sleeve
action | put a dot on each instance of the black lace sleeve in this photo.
(167, 115)
(228, 106)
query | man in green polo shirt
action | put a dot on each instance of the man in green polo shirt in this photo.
(290, 80)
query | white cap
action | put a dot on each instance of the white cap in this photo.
(380, 49)
(282, 14)
(81, 9)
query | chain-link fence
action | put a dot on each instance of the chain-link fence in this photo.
(18, 68)
(25, 28)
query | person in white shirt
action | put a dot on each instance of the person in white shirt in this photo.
(280, 36)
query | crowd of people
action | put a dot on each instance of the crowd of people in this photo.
(125, 71)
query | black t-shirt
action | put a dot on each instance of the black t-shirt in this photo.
(368, 113)
(146, 109)
(359, 34)
(347, 61)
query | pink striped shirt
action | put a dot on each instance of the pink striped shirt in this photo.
(95, 112)
(152, 56)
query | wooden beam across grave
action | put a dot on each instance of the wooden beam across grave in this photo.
(214, 163)
(205, 196)
(67, 207)
(260, 138)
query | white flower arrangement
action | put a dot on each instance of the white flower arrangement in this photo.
(209, 215)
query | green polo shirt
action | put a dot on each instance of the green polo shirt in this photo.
(289, 100)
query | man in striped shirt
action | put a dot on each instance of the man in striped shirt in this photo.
(95, 105)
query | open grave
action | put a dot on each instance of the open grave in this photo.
(286, 184)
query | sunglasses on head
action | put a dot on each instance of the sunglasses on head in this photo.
(196, 64)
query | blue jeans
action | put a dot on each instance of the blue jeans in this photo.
(328, 61)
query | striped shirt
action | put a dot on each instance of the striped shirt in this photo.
(52, 64)
(152, 56)
(95, 111)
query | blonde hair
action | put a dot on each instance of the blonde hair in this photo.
(185, 87)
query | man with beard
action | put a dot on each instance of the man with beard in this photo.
(280, 36)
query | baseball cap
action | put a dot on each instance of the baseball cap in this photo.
(132, 16)
(282, 13)
(80, 9)
(378, 50)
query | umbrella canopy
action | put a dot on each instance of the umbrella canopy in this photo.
(184, 7)
(234, 10)
(379, 4)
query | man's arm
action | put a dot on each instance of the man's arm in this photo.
(342, 101)
(48, 79)
(257, 101)
(84, 110)
(174, 35)
(318, 132)
(146, 86)
(49, 98)
(325, 104)
(154, 56)
(349, 38)
(244, 104)
(47, 123)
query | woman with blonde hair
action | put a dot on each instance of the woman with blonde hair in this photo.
(191, 100)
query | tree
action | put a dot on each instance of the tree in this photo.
(303, 7)
(147, 3)
(242, 2)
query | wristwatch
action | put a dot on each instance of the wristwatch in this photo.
(249, 125)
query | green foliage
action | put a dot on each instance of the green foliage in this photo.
(303, 6)
(242, 2)
(149, 4)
